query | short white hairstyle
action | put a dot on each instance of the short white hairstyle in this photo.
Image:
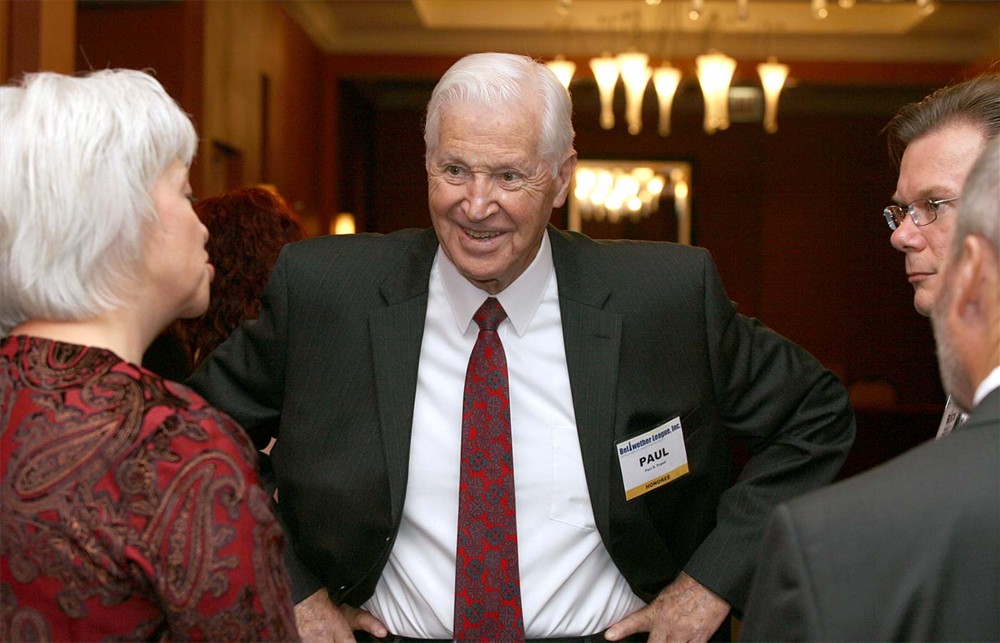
(78, 162)
(507, 81)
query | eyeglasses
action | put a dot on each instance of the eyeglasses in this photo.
(922, 211)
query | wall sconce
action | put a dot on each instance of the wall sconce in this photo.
(343, 224)
(605, 71)
(665, 81)
(680, 177)
(772, 79)
(715, 72)
(635, 73)
(563, 69)
(697, 8)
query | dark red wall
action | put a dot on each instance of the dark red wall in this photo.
(134, 35)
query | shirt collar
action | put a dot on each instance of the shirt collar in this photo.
(985, 387)
(520, 299)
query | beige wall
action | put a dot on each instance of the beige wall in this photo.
(238, 50)
(212, 57)
(36, 36)
(266, 140)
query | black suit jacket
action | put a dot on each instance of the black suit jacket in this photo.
(909, 551)
(330, 369)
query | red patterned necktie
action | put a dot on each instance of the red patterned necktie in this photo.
(487, 582)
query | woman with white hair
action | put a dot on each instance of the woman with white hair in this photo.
(131, 509)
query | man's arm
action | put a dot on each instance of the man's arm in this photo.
(244, 376)
(793, 415)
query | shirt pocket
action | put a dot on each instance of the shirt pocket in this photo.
(570, 498)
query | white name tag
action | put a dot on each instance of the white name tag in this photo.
(652, 459)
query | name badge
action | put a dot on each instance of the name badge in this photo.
(653, 459)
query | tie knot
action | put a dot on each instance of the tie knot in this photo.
(490, 314)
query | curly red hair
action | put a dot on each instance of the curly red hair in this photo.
(247, 229)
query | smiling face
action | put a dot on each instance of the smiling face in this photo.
(176, 260)
(490, 192)
(933, 167)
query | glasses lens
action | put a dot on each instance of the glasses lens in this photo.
(893, 216)
(922, 212)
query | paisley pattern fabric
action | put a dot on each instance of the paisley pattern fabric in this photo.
(131, 508)
(487, 575)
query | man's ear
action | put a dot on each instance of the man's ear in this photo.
(974, 282)
(565, 178)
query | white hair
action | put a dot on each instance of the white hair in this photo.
(507, 81)
(78, 163)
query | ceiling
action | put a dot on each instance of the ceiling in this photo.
(882, 31)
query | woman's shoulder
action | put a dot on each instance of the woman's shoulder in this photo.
(177, 413)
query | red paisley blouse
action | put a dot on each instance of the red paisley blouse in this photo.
(131, 508)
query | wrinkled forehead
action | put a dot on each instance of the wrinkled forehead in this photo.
(527, 109)
(477, 122)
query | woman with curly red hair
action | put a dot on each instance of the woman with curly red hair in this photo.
(247, 229)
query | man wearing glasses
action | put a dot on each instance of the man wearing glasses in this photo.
(909, 550)
(935, 142)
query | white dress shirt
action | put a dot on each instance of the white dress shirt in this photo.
(986, 387)
(569, 584)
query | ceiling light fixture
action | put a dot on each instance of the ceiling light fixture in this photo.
(605, 70)
(635, 72)
(563, 69)
(772, 79)
(715, 72)
(665, 80)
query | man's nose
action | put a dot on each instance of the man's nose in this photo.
(907, 236)
(482, 203)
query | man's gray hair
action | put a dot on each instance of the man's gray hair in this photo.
(507, 81)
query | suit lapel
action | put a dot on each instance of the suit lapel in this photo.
(396, 334)
(592, 337)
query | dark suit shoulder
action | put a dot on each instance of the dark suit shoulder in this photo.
(640, 249)
(349, 262)
(952, 485)
(616, 262)
(928, 476)
(349, 244)
(917, 536)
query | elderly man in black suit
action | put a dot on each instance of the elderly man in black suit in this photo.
(495, 430)
(910, 550)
